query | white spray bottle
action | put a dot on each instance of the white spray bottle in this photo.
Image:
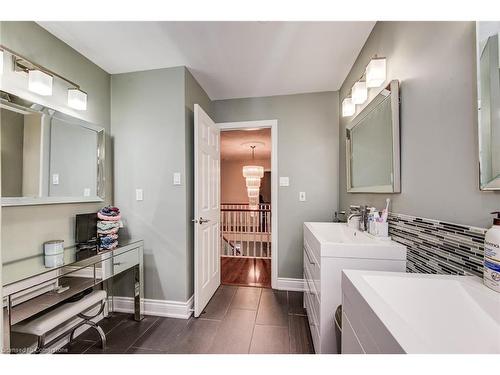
(491, 273)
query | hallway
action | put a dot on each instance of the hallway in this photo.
(246, 271)
(236, 320)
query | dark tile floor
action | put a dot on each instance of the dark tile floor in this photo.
(236, 320)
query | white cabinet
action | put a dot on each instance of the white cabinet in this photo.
(325, 258)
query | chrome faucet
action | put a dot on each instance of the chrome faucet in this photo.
(353, 212)
(363, 222)
(361, 212)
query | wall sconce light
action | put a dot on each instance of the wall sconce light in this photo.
(77, 99)
(348, 107)
(376, 72)
(40, 79)
(359, 92)
(40, 82)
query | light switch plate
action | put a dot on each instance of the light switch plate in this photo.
(139, 195)
(55, 179)
(177, 178)
(284, 181)
(302, 196)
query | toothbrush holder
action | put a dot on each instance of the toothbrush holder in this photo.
(381, 229)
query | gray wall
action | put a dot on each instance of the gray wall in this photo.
(51, 221)
(435, 62)
(307, 153)
(152, 130)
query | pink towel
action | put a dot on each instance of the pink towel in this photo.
(108, 218)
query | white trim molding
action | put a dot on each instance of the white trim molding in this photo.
(284, 283)
(155, 307)
(273, 125)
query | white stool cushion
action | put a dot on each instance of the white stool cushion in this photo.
(47, 322)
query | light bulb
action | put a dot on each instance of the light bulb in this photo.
(40, 82)
(376, 72)
(348, 107)
(359, 92)
(77, 99)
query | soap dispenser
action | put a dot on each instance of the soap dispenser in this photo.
(491, 271)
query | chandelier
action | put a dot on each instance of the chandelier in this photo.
(253, 174)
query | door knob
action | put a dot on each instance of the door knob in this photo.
(201, 220)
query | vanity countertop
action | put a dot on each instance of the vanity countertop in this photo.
(431, 313)
(20, 269)
(338, 240)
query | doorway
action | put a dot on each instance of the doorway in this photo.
(248, 235)
(207, 208)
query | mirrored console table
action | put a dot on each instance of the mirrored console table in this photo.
(29, 288)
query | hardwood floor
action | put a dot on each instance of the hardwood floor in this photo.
(246, 272)
(236, 320)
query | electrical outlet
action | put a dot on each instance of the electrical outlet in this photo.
(55, 179)
(284, 181)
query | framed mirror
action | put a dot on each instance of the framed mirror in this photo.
(47, 156)
(488, 91)
(373, 145)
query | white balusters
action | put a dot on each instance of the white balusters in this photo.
(246, 232)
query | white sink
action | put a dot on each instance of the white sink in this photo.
(330, 248)
(430, 313)
(339, 240)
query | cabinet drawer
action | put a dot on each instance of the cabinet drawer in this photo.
(314, 302)
(350, 342)
(311, 285)
(313, 324)
(125, 261)
(314, 271)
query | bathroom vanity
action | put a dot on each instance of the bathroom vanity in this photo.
(392, 312)
(30, 288)
(330, 248)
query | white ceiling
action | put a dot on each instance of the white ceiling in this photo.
(229, 59)
(236, 144)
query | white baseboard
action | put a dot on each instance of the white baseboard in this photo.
(284, 283)
(156, 307)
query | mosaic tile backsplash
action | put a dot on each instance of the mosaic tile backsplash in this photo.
(439, 247)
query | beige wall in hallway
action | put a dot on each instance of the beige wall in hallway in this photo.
(233, 186)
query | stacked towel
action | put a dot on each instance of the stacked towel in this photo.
(107, 227)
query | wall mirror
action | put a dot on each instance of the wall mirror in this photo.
(47, 156)
(488, 87)
(372, 145)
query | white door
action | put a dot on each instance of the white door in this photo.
(206, 209)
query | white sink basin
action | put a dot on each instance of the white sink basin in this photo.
(330, 248)
(433, 313)
(339, 240)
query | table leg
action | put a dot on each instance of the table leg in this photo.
(138, 292)
(107, 285)
(6, 324)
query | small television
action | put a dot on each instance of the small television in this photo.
(86, 229)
